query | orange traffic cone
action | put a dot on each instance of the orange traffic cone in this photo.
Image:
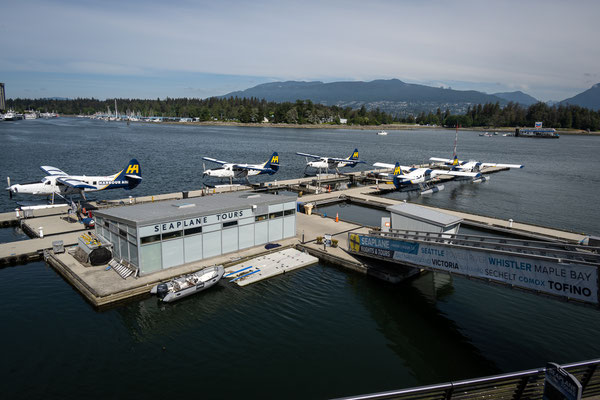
(337, 218)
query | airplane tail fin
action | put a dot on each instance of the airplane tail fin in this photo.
(397, 174)
(132, 173)
(353, 156)
(454, 164)
(273, 162)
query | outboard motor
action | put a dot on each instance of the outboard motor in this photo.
(162, 290)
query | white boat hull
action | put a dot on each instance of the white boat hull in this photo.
(187, 285)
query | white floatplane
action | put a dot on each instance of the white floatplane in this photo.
(405, 177)
(60, 183)
(325, 163)
(471, 166)
(235, 170)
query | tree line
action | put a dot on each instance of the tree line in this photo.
(253, 110)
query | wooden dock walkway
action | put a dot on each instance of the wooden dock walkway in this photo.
(32, 249)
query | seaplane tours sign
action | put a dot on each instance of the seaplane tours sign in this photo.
(575, 281)
(172, 226)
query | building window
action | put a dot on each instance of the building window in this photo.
(278, 214)
(230, 223)
(150, 239)
(171, 235)
(192, 231)
(260, 218)
(289, 212)
(122, 233)
(106, 224)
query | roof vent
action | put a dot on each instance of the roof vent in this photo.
(184, 205)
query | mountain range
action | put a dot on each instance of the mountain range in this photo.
(588, 99)
(394, 96)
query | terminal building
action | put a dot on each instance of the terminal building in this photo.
(157, 236)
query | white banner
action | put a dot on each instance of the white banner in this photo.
(576, 281)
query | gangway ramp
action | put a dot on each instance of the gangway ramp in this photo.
(552, 268)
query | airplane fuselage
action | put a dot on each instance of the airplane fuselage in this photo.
(230, 171)
(50, 185)
(326, 164)
(415, 176)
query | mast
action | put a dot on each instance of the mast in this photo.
(455, 142)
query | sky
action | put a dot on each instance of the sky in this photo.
(157, 49)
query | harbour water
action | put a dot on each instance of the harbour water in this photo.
(319, 332)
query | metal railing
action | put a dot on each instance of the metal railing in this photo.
(513, 386)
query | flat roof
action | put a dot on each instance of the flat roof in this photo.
(172, 210)
(424, 214)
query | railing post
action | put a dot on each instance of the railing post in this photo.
(521, 387)
(587, 376)
(448, 392)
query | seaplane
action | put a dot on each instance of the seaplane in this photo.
(416, 178)
(232, 170)
(470, 166)
(58, 182)
(326, 163)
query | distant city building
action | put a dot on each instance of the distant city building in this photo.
(2, 99)
(343, 120)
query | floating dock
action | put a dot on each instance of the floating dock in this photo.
(102, 286)
(269, 265)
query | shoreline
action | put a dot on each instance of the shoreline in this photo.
(392, 127)
(397, 127)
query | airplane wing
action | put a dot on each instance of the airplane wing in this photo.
(446, 160)
(391, 166)
(215, 160)
(74, 183)
(384, 165)
(455, 173)
(311, 155)
(52, 171)
(502, 165)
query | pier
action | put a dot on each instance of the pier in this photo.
(102, 287)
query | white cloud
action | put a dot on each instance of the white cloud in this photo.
(538, 45)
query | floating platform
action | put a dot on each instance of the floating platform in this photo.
(269, 265)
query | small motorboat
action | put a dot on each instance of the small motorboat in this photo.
(189, 284)
(382, 133)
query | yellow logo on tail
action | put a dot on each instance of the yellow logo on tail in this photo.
(398, 170)
(275, 160)
(355, 155)
(134, 168)
(455, 162)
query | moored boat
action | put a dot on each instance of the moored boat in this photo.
(537, 133)
(382, 133)
(189, 284)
